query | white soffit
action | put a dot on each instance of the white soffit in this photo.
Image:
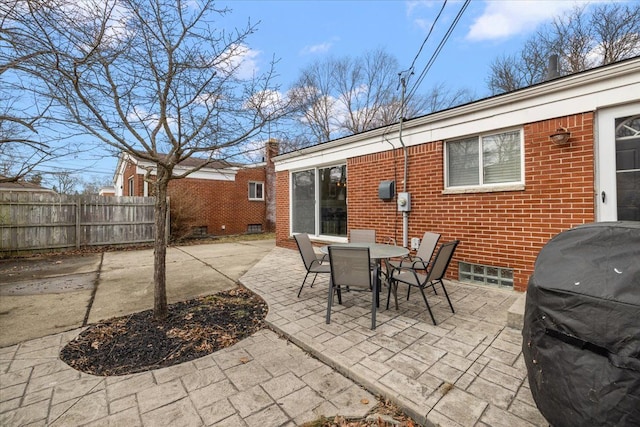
(579, 93)
(204, 173)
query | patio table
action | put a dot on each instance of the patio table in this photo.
(377, 252)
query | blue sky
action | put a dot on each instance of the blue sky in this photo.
(300, 32)
(297, 33)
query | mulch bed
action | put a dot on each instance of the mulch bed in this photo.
(193, 329)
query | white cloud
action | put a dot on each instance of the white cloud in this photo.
(317, 48)
(417, 4)
(502, 19)
(267, 102)
(239, 60)
(149, 120)
(423, 24)
(414, 8)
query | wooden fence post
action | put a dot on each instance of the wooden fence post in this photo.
(77, 222)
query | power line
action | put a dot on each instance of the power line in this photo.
(435, 54)
(433, 24)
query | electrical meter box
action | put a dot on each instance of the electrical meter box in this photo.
(386, 190)
(404, 202)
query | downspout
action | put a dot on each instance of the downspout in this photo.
(405, 214)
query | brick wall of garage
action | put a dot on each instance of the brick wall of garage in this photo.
(503, 229)
(216, 204)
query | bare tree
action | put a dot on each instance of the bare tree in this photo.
(316, 106)
(582, 38)
(342, 96)
(365, 86)
(64, 182)
(24, 117)
(153, 78)
(441, 97)
(92, 185)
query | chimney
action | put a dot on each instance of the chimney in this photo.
(552, 68)
(272, 149)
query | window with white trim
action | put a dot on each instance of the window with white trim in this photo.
(487, 160)
(130, 186)
(256, 191)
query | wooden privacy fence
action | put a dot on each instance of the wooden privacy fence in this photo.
(44, 221)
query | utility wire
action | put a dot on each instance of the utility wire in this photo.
(433, 24)
(406, 74)
(435, 54)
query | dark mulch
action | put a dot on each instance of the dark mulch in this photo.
(194, 328)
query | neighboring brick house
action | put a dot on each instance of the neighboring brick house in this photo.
(487, 173)
(22, 186)
(220, 199)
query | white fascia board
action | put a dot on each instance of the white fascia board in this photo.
(208, 174)
(204, 173)
(117, 174)
(584, 92)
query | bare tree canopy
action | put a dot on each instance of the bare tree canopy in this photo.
(158, 79)
(584, 38)
(24, 117)
(342, 96)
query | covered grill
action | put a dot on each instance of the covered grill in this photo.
(581, 335)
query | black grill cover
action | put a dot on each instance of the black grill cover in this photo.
(581, 335)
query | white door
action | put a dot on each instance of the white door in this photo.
(618, 164)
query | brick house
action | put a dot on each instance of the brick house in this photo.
(22, 186)
(488, 173)
(220, 199)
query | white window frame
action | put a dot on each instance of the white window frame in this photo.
(130, 186)
(316, 234)
(255, 185)
(482, 187)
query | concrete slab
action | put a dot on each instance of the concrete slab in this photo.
(21, 269)
(234, 259)
(26, 317)
(126, 281)
(44, 295)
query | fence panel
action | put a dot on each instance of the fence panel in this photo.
(42, 221)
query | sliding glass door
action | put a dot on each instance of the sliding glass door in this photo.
(319, 201)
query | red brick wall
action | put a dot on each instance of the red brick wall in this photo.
(138, 181)
(211, 203)
(504, 229)
(214, 203)
(282, 211)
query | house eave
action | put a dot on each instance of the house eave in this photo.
(548, 89)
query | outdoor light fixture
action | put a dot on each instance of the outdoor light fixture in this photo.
(561, 136)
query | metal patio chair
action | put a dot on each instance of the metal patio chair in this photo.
(434, 275)
(362, 236)
(421, 260)
(312, 262)
(350, 268)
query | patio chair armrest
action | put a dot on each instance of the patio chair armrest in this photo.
(316, 262)
(401, 269)
(420, 264)
(406, 259)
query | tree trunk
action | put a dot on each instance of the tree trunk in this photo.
(160, 246)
